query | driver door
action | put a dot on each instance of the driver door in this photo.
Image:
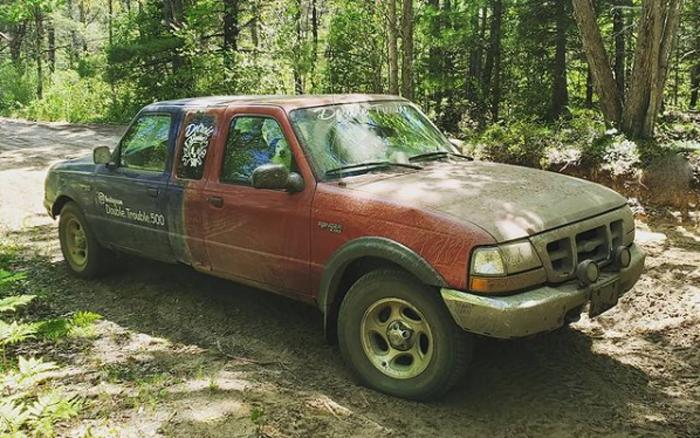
(258, 236)
(130, 199)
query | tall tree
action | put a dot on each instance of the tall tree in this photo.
(231, 31)
(407, 49)
(636, 114)
(392, 47)
(51, 45)
(38, 38)
(492, 67)
(560, 94)
(619, 33)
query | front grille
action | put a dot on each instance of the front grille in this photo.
(562, 249)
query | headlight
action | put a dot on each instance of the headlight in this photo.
(505, 268)
(488, 261)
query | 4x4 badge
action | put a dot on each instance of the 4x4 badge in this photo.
(333, 228)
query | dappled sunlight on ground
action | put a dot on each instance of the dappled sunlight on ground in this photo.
(178, 353)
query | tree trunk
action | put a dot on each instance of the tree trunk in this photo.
(619, 32)
(393, 55)
(254, 23)
(231, 30)
(110, 9)
(19, 31)
(314, 43)
(51, 44)
(694, 86)
(298, 80)
(436, 57)
(656, 36)
(83, 20)
(74, 43)
(491, 80)
(610, 99)
(39, 35)
(475, 57)
(589, 89)
(407, 50)
(560, 94)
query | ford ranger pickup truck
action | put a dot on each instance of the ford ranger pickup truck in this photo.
(359, 205)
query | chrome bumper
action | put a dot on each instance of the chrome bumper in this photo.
(538, 310)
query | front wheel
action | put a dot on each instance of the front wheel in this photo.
(399, 338)
(83, 254)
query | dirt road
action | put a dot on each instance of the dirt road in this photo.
(182, 354)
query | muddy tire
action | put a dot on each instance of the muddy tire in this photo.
(398, 337)
(83, 254)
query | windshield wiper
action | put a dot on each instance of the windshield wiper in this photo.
(435, 155)
(366, 167)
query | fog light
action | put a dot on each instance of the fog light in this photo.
(587, 272)
(622, 257)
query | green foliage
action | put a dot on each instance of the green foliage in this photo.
(14, 333)
(521, 142)
(31, 371)
(25, 409)
(8, 278)
(16, 87)
(10, 304)
(38, 416)
(70, 98)
(355, 49)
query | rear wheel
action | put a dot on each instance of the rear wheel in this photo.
(83, 254)
(399, 338)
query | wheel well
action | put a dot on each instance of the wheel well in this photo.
(356, 269)
(58, 204)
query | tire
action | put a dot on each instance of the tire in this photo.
(84, 256)
(422, 353)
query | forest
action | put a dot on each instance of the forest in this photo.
(522, 81)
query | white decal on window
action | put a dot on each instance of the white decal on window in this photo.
(196, 143)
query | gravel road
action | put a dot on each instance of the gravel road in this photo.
(182, 354)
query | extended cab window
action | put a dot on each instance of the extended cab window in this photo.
(145, 145)
(195, 144)
(253, 141)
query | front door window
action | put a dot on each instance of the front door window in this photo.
(253, 141)
(145, 146)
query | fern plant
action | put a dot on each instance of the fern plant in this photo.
(14, 332)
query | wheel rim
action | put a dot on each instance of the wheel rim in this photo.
(396, 338)
(76, 243)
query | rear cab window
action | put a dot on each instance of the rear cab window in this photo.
(193, 150)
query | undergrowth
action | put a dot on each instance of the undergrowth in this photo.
(30, 403)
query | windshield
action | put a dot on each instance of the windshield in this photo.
(337, 136)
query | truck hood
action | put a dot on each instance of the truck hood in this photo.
(82, 163)
(509, 202)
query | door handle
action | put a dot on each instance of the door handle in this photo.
(216, 201)
(152, 192)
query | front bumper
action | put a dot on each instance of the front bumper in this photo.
(538, 310)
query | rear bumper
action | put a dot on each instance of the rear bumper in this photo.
(538, 310)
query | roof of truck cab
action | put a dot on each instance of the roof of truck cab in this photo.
(286, 102)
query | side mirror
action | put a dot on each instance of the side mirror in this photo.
(276, 176)
(101, 155)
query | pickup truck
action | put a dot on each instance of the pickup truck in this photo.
(359, 205)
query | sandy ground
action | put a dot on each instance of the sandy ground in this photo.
(182, 354)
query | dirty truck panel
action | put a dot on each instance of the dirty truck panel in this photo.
(356, 203)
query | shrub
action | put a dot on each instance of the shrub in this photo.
(70, 98)
(522, 142)
(17, 87)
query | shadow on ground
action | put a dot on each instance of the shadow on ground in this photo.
(233, 360)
